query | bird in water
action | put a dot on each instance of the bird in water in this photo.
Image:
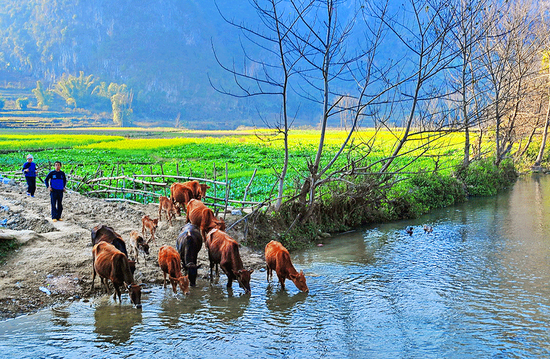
(428, 229)
(409, 231)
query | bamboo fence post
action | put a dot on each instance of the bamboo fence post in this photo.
(227, 189)
(144, 188)
(248, 186)
(153, 188)
(163, 179)
(215, 178)
(177, 168)
(112, 171)
(134, 182)
(117, 170)
(123, 182)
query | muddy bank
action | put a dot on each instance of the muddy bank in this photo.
(54, 263)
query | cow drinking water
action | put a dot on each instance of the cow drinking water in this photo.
(224, 250)
(110, 263)
(277, 258)
(188, 244)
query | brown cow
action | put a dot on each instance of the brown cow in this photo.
(277, 258)
(137, 245)
(151, 225)
(224, 250)
(170, 263)
(182, 193)
(166, 205)
(110, 263)
(103, 233)
(203, 217)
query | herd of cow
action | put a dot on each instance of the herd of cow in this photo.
(110, 258)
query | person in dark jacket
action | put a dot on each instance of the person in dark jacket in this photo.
(56, 181)
(29, 170)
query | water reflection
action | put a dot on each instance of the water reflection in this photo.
(226, 304)
(60, 316)
(115, 323)
(281, 303)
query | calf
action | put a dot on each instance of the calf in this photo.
(170, 263)
(166, 205)
(110, 263)
(188, 244)
(137, 245)
(224, 250)
(203, 217)
(277, 258)
(103, 233)
(151, 225)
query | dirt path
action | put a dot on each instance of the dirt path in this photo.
(54, 264)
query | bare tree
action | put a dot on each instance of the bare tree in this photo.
(510, 56)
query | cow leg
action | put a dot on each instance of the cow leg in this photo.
(282, 281)
(93, 279)
(160, 213)
(164, 281)
(105, 285)
(117, 293)
(211, 268)
(269, 272)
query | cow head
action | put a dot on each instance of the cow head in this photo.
(243, 277)
(143, 246)
(203, 188)
(183, 283)
(220, 224)
(299, 280)
(135, 294)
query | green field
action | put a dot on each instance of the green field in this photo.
(200, 153)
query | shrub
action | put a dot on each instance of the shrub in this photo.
(484, 178)
(431, 191)
(22, 103)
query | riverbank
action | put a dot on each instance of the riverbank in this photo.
(53, 263)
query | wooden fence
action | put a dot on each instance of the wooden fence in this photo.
(145, 188)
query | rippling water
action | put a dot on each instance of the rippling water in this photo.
(475, 287)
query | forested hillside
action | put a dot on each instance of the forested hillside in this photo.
(162, 51)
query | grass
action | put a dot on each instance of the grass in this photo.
(200, 153)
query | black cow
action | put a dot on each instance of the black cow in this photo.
(188, 244)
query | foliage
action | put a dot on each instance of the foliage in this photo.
(484, 178)
(22, 103)
(76, 91)
(428, 191)
(43, 96)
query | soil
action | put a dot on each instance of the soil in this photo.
(54, 262)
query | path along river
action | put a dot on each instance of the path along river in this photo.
(476, 287)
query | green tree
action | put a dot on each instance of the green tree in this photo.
(76, 91)
(43, 96)
(122, 108)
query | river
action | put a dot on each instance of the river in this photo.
(476, 287)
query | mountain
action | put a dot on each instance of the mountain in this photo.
(161, 49)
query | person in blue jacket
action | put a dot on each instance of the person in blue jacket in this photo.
(56, 181)
(29, 170)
